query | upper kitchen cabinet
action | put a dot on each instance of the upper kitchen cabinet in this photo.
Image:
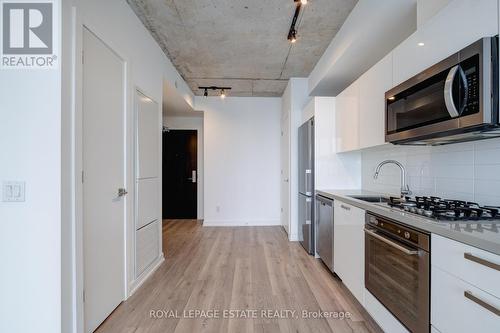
(360, 109)
(458, 24)
(372, 87)
(347, 119)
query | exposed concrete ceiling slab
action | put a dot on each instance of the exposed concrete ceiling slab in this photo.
(241, 43)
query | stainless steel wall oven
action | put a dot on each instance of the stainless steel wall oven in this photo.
(397, 270)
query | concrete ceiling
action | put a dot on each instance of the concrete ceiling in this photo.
(241, 43)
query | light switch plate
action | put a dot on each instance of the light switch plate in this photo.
(13, 191)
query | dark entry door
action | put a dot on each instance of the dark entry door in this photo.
(180, 174)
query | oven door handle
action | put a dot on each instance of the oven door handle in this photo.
(391, 243)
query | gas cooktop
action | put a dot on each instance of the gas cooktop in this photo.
(446, 209)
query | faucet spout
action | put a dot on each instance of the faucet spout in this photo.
(405, 189)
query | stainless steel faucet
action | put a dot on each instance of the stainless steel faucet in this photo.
(405, 189)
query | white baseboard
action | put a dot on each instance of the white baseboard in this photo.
(137, 283)
(293, 238)
(240, 223)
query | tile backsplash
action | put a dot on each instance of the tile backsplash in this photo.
(466, 171)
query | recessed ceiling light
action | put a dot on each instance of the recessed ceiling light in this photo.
(391, 98)
(222, 94)
(304, 2)
(421, 44)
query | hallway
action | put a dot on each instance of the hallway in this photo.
(237, 268)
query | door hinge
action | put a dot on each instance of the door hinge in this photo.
(83, 60)
(84, 296)
(83, 176)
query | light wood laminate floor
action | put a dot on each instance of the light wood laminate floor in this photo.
(236, 268)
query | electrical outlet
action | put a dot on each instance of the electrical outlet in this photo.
(13, 191)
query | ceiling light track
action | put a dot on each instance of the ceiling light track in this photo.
(223, 90)
(292, 33)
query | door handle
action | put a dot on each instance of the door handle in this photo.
(122, 192)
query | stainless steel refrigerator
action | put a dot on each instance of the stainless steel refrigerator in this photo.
(306, 185)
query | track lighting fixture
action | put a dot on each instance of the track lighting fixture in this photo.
(292, 33)
(223, 90)
(293, 36)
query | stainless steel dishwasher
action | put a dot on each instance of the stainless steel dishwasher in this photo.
(324, 227)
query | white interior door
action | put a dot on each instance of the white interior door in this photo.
(104, 174)
(285, 171)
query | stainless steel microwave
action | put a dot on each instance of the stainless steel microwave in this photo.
(453, 101)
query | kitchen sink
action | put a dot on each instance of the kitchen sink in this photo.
(369, 198)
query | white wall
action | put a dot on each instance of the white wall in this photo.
(294, 100)
(30, 231)
(242, 160)
(30, 240)
(192, 123)
(147, 68)
(466, 171)
(371, 30)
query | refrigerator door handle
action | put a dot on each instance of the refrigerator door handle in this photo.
(307, 183)
(308, 210)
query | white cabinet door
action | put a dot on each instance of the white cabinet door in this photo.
(372, 87)
(347, 119)
(349, 247)
(473, 265)
(148, 137)
(457, 306)
(457, 25)
(148, 201)
(148, 246)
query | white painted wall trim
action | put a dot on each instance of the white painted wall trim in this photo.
(240, 223)
(134, 286)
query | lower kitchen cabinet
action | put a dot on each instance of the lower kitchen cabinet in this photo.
(465, 296)
(434, 330)
(457, 306)
(349, 247)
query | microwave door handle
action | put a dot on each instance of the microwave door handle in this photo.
(448, 92)
(465, 98)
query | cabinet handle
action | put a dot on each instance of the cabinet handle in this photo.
(481, 261)
(481, 303)
(345, 207)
